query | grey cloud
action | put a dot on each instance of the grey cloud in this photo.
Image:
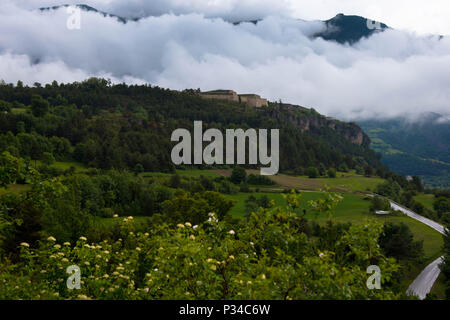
(19, 67)
(389, 74)
(231, 10)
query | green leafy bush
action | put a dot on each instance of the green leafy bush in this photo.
(207, 261)
(259, 180)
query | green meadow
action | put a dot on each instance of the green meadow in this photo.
(344, 181)
(15, 188)
(425, 199)
(353, 208)
(189, 173)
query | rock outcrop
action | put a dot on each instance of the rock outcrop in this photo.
(308, 120)
(303, 118)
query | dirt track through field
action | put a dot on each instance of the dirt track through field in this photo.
(288, 182)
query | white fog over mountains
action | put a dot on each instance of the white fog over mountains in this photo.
(389, 74)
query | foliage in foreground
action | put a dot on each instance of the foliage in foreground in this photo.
(270, 258)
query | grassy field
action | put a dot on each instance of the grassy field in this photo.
(63, 165)
(18, 110)
(425, 199)
(432, 240)
(15, 188)
(353, 208)
(346, 210)
(344, 181)
(189, 173)
(66, 165)
(59, 165)
(439, 287)
(139, 222)
(351, 183)
(195, 173)
(238, 209)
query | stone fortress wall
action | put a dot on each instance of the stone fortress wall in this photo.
(252, 100)
(229, 95)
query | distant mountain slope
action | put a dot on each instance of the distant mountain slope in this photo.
(348, 29)
(87, 8)
(341, 28)
(421, 147)
(344, 29)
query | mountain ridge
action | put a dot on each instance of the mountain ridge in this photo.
(414, 146)
(88, 8)
(130, 115)
(349, 29)
(340, 28)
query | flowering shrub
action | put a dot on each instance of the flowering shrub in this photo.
(266, 259)
(269, 256)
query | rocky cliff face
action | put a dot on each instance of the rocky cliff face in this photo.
(309, 120)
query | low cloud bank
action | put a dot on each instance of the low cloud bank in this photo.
(389, 74)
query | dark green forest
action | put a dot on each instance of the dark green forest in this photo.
(414, 147)
(120, 126)
(141, 230)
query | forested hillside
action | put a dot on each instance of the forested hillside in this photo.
(160, 150)
(120, 126)
(349, 29)
(414, 147)
(86, 179)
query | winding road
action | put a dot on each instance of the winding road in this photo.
(422, 285)
(436, 226)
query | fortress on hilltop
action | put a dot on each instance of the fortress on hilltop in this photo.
(252, 100)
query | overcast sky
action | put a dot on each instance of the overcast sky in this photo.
(178, 46)
(430, 16)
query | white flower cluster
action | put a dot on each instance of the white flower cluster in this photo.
(212, 218)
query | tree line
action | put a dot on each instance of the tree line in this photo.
(121, 126)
